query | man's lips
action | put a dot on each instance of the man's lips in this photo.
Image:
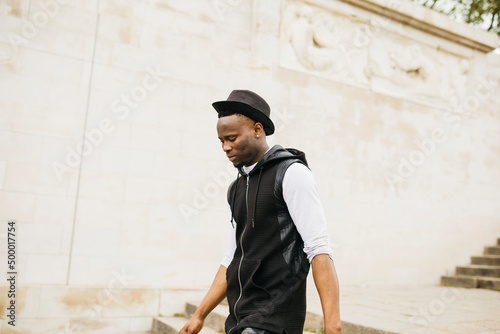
(231, 158)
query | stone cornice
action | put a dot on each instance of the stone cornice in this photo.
(426, 20)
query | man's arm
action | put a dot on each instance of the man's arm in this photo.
(214, 296)
(327, 284)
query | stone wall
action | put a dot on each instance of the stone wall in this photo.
(110, 163)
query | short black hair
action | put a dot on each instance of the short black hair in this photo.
(225, 113)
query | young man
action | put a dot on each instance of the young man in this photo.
(278, 230)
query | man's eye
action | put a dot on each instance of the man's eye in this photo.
(232, 139)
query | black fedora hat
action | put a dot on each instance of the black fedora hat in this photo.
(250, 104)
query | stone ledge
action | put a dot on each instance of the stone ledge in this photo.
(492, 250)
(98, 325)
(426, 20)
(478, 270)
(173, 325)
(489, 283)
(68, 302)
(459, 281)
(313, 322)
(489, 260)
(216, 319)
(471, 282)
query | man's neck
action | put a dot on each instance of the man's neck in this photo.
(262, 152)
(248, 169)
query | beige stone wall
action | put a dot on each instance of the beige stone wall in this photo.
(400, 126)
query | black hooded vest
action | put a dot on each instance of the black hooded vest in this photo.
(266, 280)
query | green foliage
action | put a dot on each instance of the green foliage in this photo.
(312, 330)
(483, 14)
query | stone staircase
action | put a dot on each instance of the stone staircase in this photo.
(214, 323)
(483, 272)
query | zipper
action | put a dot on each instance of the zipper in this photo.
(246, 194)
(241, 260)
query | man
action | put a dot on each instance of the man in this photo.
(277, 227)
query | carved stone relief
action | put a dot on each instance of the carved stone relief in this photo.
(399, 67)
(320, 42)
(345, 49)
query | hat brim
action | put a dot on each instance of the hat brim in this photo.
(247, 110)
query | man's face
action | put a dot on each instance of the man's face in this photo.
(237, 135)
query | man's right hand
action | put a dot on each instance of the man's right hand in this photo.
(193, 326)
(215, 295)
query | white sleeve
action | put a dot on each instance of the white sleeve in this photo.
(231, 243)
(302, 199)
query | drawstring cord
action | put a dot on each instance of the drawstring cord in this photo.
(255, 202)
(256, 194)
(234, 197)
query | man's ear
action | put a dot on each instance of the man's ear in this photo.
(258, 129)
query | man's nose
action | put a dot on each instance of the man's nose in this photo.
(226, 147)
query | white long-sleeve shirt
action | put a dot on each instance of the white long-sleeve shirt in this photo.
(301, 197)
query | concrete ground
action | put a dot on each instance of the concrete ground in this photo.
(418, 309)
(364, 310)
(393, 310)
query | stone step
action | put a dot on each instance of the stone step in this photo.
(491, 283)
(459, 281)
(492, 250)
(478, 270)
(173, 325)
(488, 260)
(216, 319)
(84, 324)
(313, 323)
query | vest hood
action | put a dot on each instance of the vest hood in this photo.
(275, 154)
